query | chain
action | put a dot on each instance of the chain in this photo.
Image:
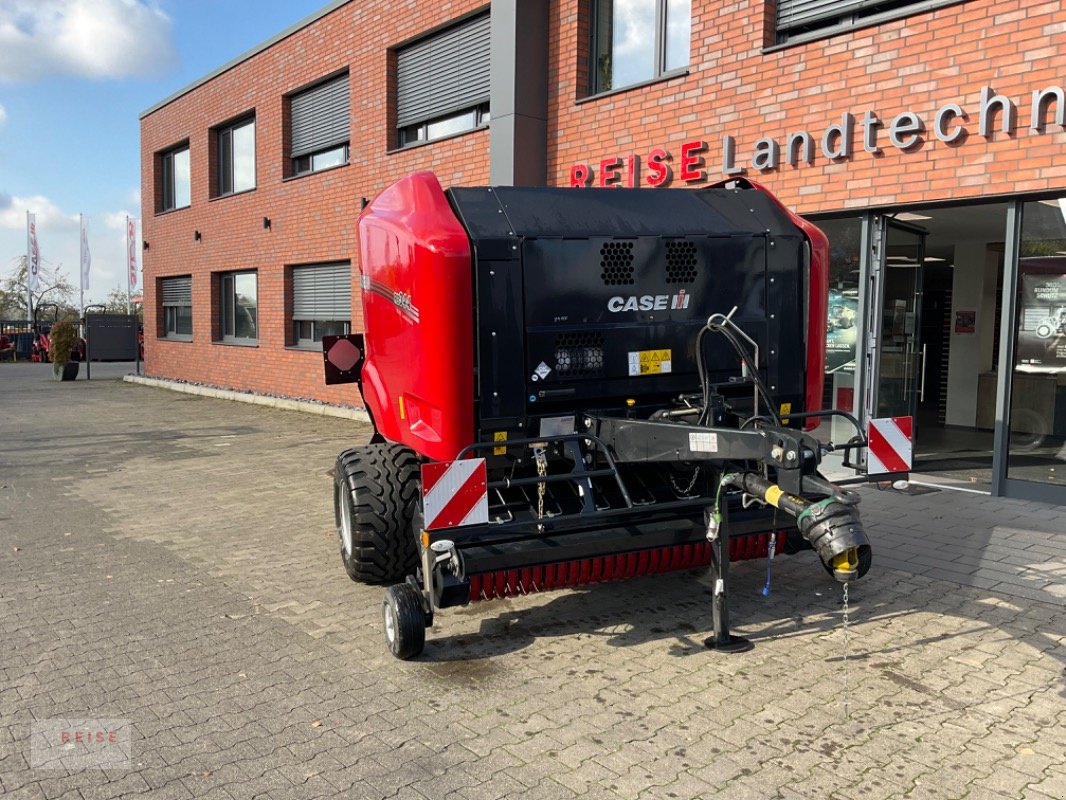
(847, 693)
(684, 492)
(542, 470)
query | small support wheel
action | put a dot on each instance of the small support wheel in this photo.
(405, 621)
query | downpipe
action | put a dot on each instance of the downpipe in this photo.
(832, 525)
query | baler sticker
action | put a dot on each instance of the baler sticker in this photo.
(499, 436)
(402, 300)
(650, 362)
(541, 372)
(703, 442)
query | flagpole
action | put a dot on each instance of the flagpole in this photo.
(129, 291)
(29, 257)
(81, 264)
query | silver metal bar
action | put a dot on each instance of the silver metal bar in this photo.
(921, 387)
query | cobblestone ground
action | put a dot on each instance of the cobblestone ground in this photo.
(171, 561)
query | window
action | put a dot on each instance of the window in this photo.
(238, 306)
(321, 302)
(442, 83)
(318, 126)
(236, 157)
(174, 178)
(635, 41)
(803, 20)
(176, 300)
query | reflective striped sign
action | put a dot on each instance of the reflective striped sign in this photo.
(455, 493)
(890, 450)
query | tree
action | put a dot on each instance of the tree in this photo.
(53, 287)
(116, 302)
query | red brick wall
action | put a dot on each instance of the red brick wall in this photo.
(917, 64)
(312, 217)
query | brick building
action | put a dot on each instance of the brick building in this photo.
(927, 138)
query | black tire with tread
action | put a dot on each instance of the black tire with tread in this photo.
(380, 482)
(406, 619)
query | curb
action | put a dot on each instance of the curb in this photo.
(302, 406)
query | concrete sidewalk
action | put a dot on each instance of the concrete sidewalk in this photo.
(170, 561)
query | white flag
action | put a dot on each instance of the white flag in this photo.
(33, 255)
(131, 248)
(86, 258)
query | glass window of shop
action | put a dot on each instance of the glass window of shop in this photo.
(842, 325)
(1037, 450)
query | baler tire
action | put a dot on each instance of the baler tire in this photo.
(375, 494)
(405, 621)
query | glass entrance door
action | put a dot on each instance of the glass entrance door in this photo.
(895, 354)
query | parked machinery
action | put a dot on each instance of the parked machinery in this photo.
(634, 366)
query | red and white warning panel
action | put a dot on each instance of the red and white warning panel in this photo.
(891, 449)
(455, 493)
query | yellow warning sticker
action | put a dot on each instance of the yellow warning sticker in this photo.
(786, 408)
(499, 436)
(650, 362)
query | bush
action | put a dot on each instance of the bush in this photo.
(61, 342)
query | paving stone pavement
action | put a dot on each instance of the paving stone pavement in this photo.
(171, 560)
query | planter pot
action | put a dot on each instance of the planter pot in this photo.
(65, 372)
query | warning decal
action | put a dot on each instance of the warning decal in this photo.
(649, 362)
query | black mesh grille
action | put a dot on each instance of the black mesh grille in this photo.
(579, 354)
(680, 261)
(616, 260)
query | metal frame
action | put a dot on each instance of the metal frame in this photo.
(1002, 485)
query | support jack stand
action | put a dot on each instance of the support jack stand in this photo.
(722, 640)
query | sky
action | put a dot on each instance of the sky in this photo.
(75, 76)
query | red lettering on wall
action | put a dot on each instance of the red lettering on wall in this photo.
(609, 176)
(580, 175)
(633, 171)
(658, 171)
(690, 158)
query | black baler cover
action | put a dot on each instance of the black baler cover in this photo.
(585, 298)
(505, 211)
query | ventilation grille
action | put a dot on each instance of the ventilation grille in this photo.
(680, 261)
(616, 260)
(579, 354)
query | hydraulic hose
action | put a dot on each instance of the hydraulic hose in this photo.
(832, 525)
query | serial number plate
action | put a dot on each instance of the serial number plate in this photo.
(703, 442)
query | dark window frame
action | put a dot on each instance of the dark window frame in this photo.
(227, 308)
(170, 315)
(334, 153)
(225, 177)
(413, 129)
(312, 321)
(419, 133)
(661, 72)
(168, 200)
(851, 15)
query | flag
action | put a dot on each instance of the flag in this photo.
(131, 248)
(86, 257)
(33, 255)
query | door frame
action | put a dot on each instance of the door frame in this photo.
(874, 245)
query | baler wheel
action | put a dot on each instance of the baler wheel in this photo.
(405, 621)
(375, 494)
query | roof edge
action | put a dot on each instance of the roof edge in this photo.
(330, 7)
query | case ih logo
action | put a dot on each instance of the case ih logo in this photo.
(649, 302)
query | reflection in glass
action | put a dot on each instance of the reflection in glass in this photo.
(244, 316)
(678, 33)
(638, 40)
(182, 182)
(244, 157)
(1038, 383)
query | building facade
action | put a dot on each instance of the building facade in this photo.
(927, 138)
